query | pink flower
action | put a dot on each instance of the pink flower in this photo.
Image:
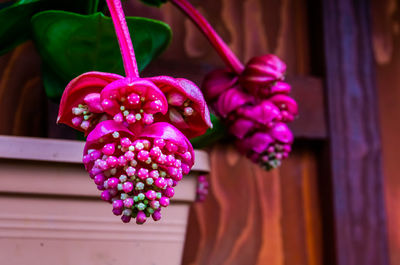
(133, 152)
(252, 99)
(137, 173)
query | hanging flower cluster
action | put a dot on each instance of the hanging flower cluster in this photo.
(252, 100)
(256, 108)
(137, 147)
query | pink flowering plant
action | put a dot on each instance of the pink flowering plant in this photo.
(137, 148)
(140, 131)
(252, 99)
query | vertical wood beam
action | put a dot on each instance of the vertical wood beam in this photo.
(355, 146)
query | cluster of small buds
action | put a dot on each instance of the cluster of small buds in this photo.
(138, 177)
(134, 108)
(202, 188)
(272, 156)
(87, 114)
(133, 103)
(180, 107)
(256, 107)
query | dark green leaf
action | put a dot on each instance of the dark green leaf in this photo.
(54, 86)
(212, 135)
(73, 44)
(15, 17)
(154, 2)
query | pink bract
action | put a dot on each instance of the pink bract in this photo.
(260, 72)
(218, 81)
(188, 110)
(80, 103)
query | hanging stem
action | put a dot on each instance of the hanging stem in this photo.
(223, 50)
(124, 40)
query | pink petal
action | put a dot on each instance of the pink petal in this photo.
(195, 124)
(259, 142)
(217, 81)
(230, 100)
(176, 118)
(176, 99)
(76, 91)
(280, 88)
(282, 133)
(263, 113)
(93, 102)
(163, 130)
(284, 102)
(241, 127)
(261, 72)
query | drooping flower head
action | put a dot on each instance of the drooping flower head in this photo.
(137, 173)
(252, 99)
(137, 148)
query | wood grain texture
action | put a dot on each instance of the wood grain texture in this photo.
(301, 214)
(385, 34)
(256, 217)
(251, 28)
(357, 178)
(251, 216)
(22, 99)
(239, 223)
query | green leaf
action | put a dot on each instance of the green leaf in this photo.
(15, 18)
(212, 135)
(73, 44)
(53, 85)
(156, 3)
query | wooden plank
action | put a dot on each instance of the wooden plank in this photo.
(41, 178)
(65, 151)
(386, 46)
(301, 212)
(355, 147)
(239, 222)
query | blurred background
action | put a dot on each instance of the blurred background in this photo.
(336, 200)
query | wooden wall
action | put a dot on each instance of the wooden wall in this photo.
(252, 216)
(386, 44)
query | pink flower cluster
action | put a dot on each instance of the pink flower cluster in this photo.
(137, 147)
(256, 107)
(252, 100)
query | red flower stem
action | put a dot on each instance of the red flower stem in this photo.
(223, 50)
(124, 40)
